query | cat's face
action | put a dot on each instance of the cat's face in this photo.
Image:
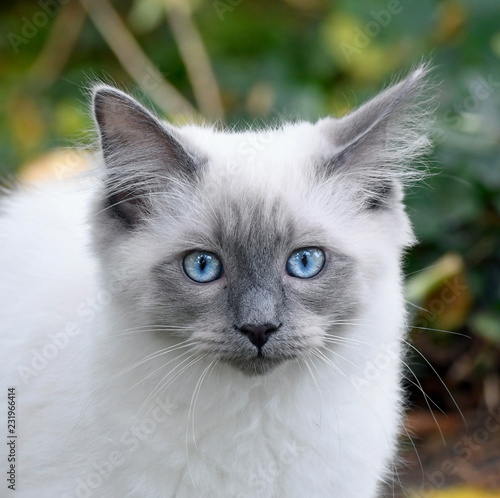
(255, 247)
(257, 309)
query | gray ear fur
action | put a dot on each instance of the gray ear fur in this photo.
(375, 145)
(140, 153)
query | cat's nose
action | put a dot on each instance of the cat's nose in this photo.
(258, 334)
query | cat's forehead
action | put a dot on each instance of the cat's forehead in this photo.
(258, 189)
(260, 225)
(262, 192)
(274, 152)
(247, 222)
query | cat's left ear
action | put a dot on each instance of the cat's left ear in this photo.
(141, 154)
(373, 148)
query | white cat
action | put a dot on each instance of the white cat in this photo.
(215, 314)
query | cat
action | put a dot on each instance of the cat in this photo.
(214, 313)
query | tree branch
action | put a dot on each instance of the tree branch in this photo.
(134, 60)
(195, 57)
(59, 45)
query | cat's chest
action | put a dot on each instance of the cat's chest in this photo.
(216, 440)
(176, 429)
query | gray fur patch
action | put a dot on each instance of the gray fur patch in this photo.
(254, 238)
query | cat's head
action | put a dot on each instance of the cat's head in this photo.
(256, 245)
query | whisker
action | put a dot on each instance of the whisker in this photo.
(441, 330)
(319, 354)
(162, 384)
(191, 412)
(122, 372)
(418, 384)
(441, 380)
(421, 269)
(419, 387)
(416, 306)
(197, 389)
(421, 466)
(367, 323)
(148, 328)
(163, 365)
(306, 363)
(154, 355)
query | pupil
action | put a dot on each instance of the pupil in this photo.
(203, 263)
(304, 260)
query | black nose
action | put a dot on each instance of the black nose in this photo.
(258, 334)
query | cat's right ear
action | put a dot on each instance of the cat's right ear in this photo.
(374, 147)
(141, 154)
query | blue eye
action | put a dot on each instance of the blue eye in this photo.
(202, 266)
(305, 263)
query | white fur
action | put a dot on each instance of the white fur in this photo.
(323, 429)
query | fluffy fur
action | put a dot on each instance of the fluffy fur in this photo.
(133, 380)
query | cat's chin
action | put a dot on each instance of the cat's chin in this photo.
(256, 366)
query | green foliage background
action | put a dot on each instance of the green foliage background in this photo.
(309, 58)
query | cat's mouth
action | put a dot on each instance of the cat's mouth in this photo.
(260, 364)
(249, 359)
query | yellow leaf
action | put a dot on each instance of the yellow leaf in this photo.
(355, 49)
(420, 285)
(452, 18)
(26, 122)
(463, 492)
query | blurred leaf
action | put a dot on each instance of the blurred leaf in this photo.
(487, 325)
(420, 285)
(28, 126)
(146, 15)
(69, 120)
(442, 293)
(495, 44)
(452, 17)
(354, 50)
(463, 492)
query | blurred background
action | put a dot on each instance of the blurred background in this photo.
(252, 61)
